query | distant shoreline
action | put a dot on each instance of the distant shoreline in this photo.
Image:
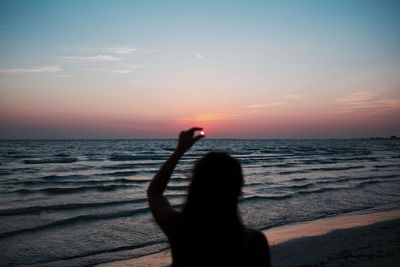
(219, 139)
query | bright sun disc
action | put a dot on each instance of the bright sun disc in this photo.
(202, 133)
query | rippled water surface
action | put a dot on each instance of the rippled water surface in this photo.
(83, 202)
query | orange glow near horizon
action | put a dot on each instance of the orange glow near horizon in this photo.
(274, 122)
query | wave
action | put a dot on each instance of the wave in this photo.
(5, 172)
(21, 156)
(301, 186)
(134, 181)
(280, 165)
(63, 155)
(79, 219)
(60, 177)
(367, 179)
(378, 179)
(78, 182)
(168, 148)
(322, 169)
(70, 206)
(257, 197)
(111, 250)
(74, 178)
(77, 206)
(318, 161)
(337, 168)
(120, 173)
(50, 160)
(387, 166)
(321, 190)
(177, 187)
(71, 190)
(355, 158)
(250, 184)
(252, 160)
(306, 192)
(299, 179)
(119, 166)
(22, 170)
(316, 191)
(293, 172)
(362, 184)
(122, 157)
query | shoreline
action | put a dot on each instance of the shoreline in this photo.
(303, 242)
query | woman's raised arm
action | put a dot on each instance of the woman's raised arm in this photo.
(159, 205)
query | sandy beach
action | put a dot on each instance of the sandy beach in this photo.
(371, 239)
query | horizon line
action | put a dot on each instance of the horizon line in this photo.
(127, 139)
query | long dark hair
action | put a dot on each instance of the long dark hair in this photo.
(210, 218)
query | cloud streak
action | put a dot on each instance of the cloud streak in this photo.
(206, 117)
(117, 50)
(291, 96)
(64, 76)
(122, 50)
(118, 71)
(357, 99)
(86, 59)
(36, 69)
(263, 105)
(366, 100)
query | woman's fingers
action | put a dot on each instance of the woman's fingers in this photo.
(192, 130)
(187, 138)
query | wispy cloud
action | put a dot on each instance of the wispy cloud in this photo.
(125, 50)
(204, 117)
(357, 99)
(122, 71)
(118, 71)
(199, 56)
(115, 49)
(263, 105)
(122, 50)
(292, 96)
(64, 76)
(367, 100)
(36, 69)
(86, 59)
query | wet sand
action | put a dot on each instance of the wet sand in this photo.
(371, 239)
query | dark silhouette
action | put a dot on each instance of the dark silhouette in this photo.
(209, 231)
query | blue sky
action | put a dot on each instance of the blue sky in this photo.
(90, 67)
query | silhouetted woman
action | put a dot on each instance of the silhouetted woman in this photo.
(209, 231)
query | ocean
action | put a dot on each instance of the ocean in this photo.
(83, 202)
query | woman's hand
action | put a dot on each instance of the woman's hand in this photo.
(187, 139)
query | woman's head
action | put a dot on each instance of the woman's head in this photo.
(211, 218)
(216, 183)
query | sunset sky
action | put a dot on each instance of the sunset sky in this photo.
(240, 69)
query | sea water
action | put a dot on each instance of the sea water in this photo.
(76, 203)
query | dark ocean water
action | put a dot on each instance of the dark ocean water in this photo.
(77, 203)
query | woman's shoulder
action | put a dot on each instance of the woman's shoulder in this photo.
(256, 237)
(258, 245)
